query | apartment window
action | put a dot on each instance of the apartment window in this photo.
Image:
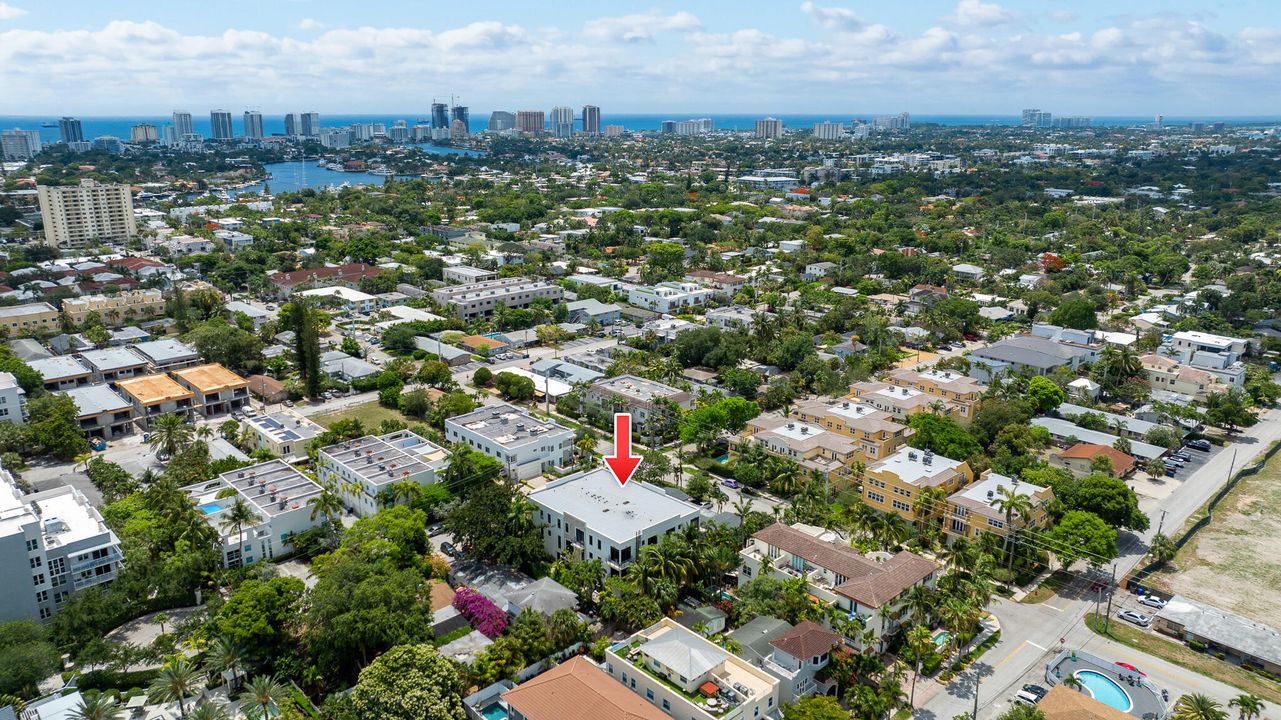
(33, 545)
(37, 579)
(42, 596)
(876, 497)
(900, 505)
(36, 562)
(667, 706)
(649, 694)
(45, 613)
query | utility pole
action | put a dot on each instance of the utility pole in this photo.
(1111, 591)
(1160, 524)
(976, 692)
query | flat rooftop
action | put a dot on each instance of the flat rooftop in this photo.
(97, 399)
(489, 288)
(211, 378)
(165, 351)
(286, 426)
(506, 425)
(58, 367)
(66, 515)
(21, 310)
(153, 389)
(618, 513)
(916, 467)
(637, 388)
(111, 359)
(271, 488)
(383, 459)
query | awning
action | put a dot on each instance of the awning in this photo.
(709, 689)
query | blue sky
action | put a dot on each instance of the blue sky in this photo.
(928, 57)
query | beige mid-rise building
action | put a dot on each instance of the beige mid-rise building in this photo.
(29, 319)
(114, 310)
(86, 214)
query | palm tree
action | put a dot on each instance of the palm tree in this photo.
(742, 506)
(667, 561)
(326, 504)
(1071, 682)
(1248, 706)
(240, 514)
(920, 601)
(1163, 549)
(1011, 502)
(170, 433)
(175, 682)
(226, 655)
(265, 691)
(206, 710)
(97, 707)
(892, 530)
(1198, 707)
(919, 640)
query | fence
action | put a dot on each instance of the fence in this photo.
(1136, 580)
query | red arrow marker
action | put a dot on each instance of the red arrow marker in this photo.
(622, 463)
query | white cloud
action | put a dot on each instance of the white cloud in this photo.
(310, 24)
(639, 28)
(9, 12)
(976, 13)
(841, 62)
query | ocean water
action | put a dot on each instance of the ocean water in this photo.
(294, 176)
(275, 124)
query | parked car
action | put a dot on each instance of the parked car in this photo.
(250, 412)
(1137, 618)
(237, 415)
(449, 549)
(730, 483)
(1202, 445)
(1152, 601)
(1174, 459)
(1035, 693)
(1181, 456)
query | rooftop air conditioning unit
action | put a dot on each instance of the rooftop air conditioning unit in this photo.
(791, 426)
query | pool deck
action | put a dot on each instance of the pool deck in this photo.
(1146, 699)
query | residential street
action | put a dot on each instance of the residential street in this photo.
(1031, 632)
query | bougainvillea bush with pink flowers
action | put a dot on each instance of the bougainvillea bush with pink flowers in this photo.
(481, 614)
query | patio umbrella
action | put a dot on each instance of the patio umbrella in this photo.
(1128, 666)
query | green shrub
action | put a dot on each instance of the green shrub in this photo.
(1196, 645)
(104, 680)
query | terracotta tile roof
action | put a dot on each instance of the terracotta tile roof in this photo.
(870, 583)
(265, 386)
(349, 273)
(578, 690)
(1062, 703)
(1121, 462)
(807, 640)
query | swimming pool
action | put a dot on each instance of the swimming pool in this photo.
(941, 637)
(1105, 689)
(210, 508)
(494, 711)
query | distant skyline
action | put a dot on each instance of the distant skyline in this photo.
(1172, 57)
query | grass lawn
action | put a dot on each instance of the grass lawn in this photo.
(370, 413)
(1186, 657)
(1048, 589)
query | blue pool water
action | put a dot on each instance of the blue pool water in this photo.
(494, 712)
(210, 508)
(941, 638)
(1105, 690)
(723, 459)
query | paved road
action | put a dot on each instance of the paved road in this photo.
(1030, 632)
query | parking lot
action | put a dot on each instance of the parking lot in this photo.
(1159, 488)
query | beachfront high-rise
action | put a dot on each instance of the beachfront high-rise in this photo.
(253, 124)
(460, 113)
(220, 122)
(18, 144)
(439, 115)
(181, 124)
(562, 121)
(70, 130)
(310, 125)
(530, 121)
(500, 120)
(591, 119)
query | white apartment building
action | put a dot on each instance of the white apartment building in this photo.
(464, 274)
(688, 662)
(86, 214)
(362, 470)
(56, 538)
(525, 445)
(348, 299)
(635, 395)
(482, 298)
(13, 399)
(280, 497)
(284, 434)
(668, 297)
(769, 128)
(829, 131)
(591, 517)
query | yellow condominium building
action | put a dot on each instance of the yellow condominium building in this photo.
(155, 395)
(30, 319)
(215, 389)
(805, 443)
(977, 509)
(86, 214)
(893, 484)
(900, 401)
(952, 387)
(874, 432)
(115, 310)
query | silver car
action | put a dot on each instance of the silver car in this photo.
(1137, 618)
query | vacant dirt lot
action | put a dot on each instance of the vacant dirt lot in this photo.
(1235, 563)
